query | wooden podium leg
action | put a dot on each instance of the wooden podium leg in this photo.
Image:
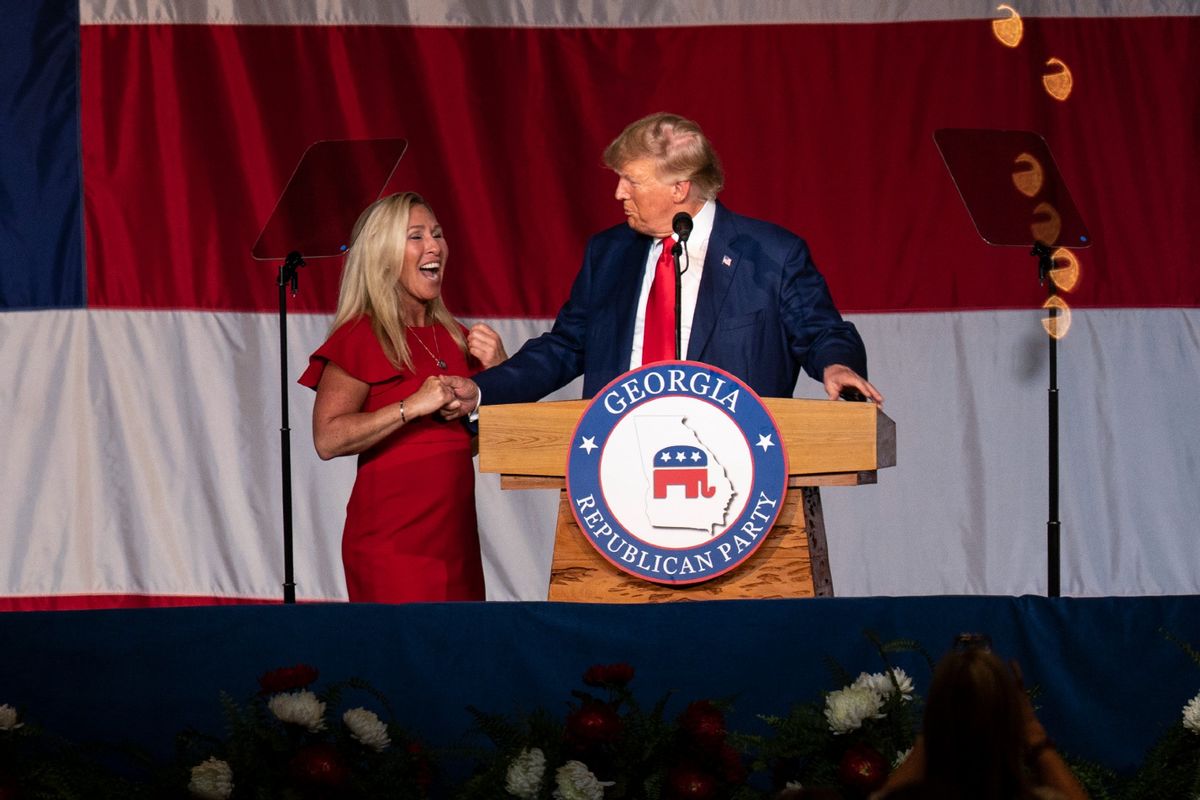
(791, 562)
(818, 551)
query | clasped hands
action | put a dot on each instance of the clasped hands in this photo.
(451, 396)
(462, 396)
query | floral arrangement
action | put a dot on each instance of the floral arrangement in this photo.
(852, 737)
(287, 742)
(609, 746)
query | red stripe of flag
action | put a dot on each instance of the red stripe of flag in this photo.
(189, 133)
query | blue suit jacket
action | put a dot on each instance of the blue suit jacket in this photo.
(762, 316)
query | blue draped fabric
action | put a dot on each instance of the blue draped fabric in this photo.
(1111, 681)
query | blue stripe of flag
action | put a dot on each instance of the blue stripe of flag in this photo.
(41, 227)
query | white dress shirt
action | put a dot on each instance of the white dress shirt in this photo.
(697, 249)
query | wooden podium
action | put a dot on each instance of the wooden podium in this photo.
(828, 443)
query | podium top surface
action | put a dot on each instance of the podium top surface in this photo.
(821, 436)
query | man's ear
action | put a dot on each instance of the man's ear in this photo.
(680, 191)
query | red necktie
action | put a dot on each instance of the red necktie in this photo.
(658, 337)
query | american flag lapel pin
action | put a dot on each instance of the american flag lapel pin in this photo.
(727, 261)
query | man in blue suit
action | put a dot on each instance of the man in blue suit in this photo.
(752, 303)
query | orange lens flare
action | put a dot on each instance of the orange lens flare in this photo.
(1066, 276)
(1008, 30)
(1047, 228)
(1058, 84)
(1028, 180)
(1057, 326)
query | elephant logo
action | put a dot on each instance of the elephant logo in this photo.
(682, 466)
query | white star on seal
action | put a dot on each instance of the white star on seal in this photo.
(589, 444)
(765, 442)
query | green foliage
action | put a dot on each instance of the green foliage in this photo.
(801, 748)
(39, 766)
(1191, 652)
(1100, 782)
(1171, 768)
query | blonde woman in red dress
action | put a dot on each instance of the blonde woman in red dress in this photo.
(411, 533)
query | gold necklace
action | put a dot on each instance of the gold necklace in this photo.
(437, 359)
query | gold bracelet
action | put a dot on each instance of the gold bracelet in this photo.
(403, 421)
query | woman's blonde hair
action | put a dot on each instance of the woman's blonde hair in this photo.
(369, 285)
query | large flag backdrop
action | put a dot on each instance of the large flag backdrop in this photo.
(145, 144)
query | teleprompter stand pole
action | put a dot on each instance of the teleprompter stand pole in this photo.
(289, 278)
(1053, 526)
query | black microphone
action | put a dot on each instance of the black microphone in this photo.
(681, 223)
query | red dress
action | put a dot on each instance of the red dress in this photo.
(411, 533)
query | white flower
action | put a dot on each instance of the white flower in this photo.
(1191, 715)
(576, 782)
(847, 709)
(299, 708)
(904, 682)
(876, 682)
(881, 683)
(8, 718)
(901, 757)
(367, 728)
(525, 773)
(212, 780)
(797, 785)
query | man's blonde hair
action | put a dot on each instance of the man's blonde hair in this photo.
(678, 147)
(369, 282)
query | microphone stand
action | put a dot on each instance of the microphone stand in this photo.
(676, 252)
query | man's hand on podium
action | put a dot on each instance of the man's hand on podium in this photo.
(841, 381)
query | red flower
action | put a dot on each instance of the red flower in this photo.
(424, 771)
(319, 764)
(285, 679)
(687, 783)
(862, 768)
(733, 769)
(608, 675)
(704, 724)
(593, 723)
